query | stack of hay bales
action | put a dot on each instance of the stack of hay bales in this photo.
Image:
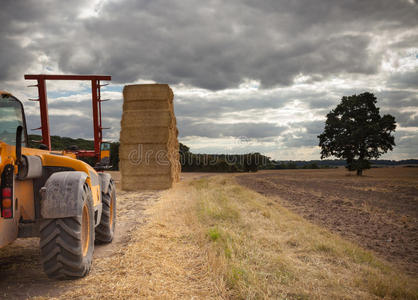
(149, 149)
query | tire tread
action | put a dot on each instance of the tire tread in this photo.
(104, 234)
(60, 246)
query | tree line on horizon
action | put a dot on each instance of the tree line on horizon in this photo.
(223, 162)
(190, 162)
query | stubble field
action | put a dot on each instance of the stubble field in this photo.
(379, 211)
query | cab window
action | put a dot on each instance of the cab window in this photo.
(11, 116)
(105, 146)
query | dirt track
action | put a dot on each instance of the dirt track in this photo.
(379, 211)
(21, 274)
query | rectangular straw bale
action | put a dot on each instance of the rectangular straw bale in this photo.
(139, 92)
(148, 104)
(151, 167)
(143, 151)
(149, 150)
(146, 182)
(140, 158)
(141, 118)
(146, 134)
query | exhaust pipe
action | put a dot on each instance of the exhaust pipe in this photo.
(19, 145)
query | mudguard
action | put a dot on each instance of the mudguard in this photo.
(62, 195)
(104, 179)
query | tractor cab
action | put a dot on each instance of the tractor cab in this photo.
(105, 152)
(51, 194)
(104, 163)
(11, 116)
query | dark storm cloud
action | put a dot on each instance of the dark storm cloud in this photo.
(410, 41)
(218, 45)
(319, 100)
(190, 127)
(65, 126)
(312, 127)
(404, 80)
(200, 106)
(398, 98)
(406, 119)
(13, 59)
(20, 20)
(406, 144)
(213, 48)
(406, 139)
(247, 104)
(209, 44)
(80, 126)
(110, 109)
(301, 140)
(302, 134)
(389, 101)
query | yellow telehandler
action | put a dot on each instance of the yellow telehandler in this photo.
(51, 194)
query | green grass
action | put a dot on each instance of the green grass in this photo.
(265, 251)
(214, 234)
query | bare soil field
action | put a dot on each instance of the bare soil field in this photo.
(379, 210)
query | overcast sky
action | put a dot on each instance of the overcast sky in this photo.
(248, 75)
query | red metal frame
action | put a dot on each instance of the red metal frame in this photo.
(96, 104)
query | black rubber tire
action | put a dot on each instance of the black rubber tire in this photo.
(61, 246)
(106, 229)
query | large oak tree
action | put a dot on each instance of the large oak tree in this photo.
(355, 131)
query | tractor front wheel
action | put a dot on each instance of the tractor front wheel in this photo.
(67, 244)
(106, 229)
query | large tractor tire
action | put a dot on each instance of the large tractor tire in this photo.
(106, 229)
(67, 244)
